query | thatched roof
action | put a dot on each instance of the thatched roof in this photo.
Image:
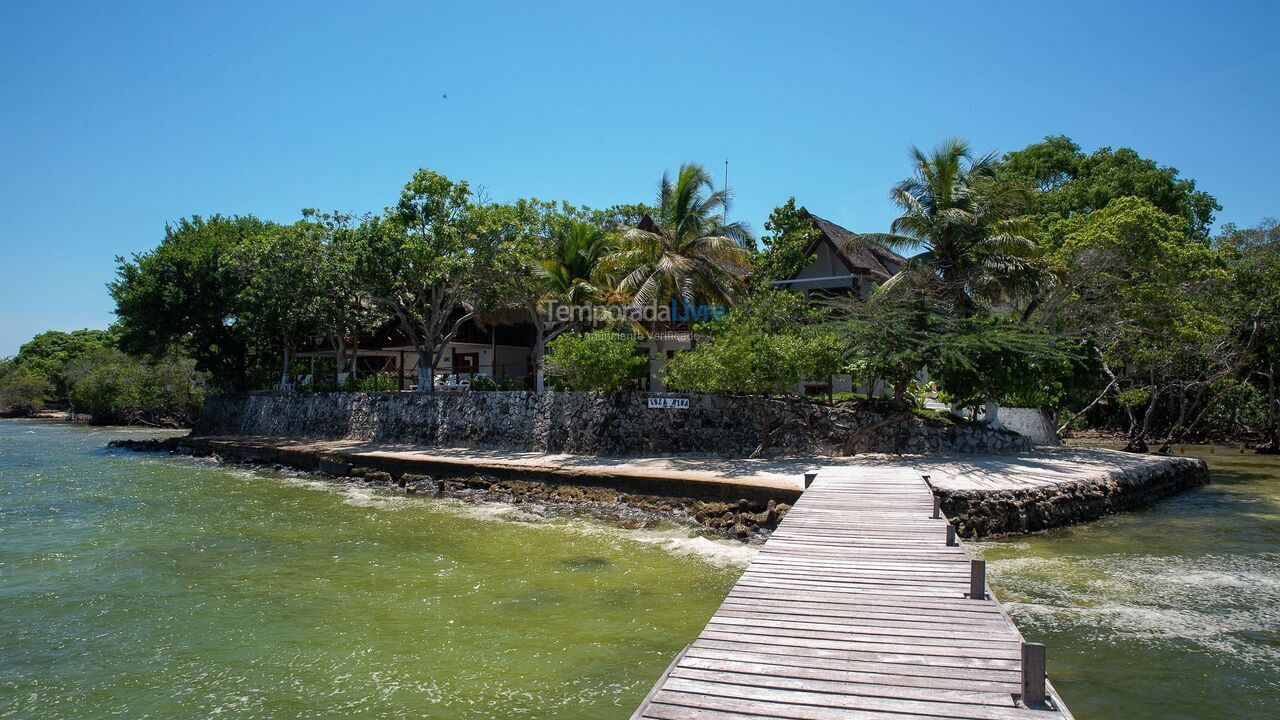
(857, 254)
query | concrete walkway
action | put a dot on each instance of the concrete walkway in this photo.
(1049, 466)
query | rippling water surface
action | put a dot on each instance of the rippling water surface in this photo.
(1171, 612)
(141, 586)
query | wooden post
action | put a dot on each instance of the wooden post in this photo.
(400, 373)
(809, 477)
(937, 507)
(977, 579)
(1033, 672)
(951, 535)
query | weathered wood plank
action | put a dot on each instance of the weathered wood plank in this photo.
(855, 608)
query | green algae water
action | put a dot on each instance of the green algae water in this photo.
(1170, 612)
(143, 586)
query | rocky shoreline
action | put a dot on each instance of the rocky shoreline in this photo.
(1091, 490)
(746, 519)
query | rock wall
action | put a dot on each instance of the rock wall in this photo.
(986, 512)
(594, 424)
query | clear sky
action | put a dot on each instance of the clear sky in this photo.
(118, 117)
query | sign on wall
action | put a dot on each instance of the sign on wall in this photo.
(668, 402)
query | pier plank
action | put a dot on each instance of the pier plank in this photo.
(855, 608)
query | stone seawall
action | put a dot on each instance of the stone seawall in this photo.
(984, 512)
(619, 424)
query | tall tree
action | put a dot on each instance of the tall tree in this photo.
(1256, 275)
(1150, 298)
(428, 260)
(186, 294)
(570, 277)
(969, 228)
(1069, 182)
(688, 253)
(284, 279)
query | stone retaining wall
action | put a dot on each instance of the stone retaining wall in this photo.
(619, 424)
(986, 512)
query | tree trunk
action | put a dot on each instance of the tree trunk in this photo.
(426, 369)
(339, 358)
(991, 412)
(1138, 433)
(284, 371)
(1273, 414)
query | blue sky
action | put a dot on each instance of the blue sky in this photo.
(118, 117)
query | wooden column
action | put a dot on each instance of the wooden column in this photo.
(1033, 673)
(977, 579)
(400, 373)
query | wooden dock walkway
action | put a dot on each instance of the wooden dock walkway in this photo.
(857, 607)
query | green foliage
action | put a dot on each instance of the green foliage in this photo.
(23, 390)
(601, 361)
(51, 355)
(382, 382)
(790, 233)
(1134, 278)
(688, 253)
(987, 357)
(119, 389)
(1071, 183)
(284, 278)
(888, 339)
(569, 267)
(848, 398)
(968, 226)
(763, 348)
(186, 295)
(973, 358)
(483, 384)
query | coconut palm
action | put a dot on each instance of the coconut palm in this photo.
(570, 274)
(687, 252)
(968, 227)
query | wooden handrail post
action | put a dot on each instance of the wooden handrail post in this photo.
(937, 507)
(951, 535)
(978, 579)
(1033, 674)
(809, 477)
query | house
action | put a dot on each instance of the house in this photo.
(841, 261)
(499, 345)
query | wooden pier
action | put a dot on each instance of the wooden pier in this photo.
(859, 606)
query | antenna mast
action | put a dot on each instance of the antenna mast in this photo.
(724, 213)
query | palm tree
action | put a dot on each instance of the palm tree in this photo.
(570, 276)
(968, 227)
(687, 252)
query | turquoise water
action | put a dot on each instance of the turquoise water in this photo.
(141, 586)
(1171, 612)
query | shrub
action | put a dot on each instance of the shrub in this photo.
(483, 384)
(117, 388)
(381, 382)
(600, 361)
(761, 349)
(22, 390)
